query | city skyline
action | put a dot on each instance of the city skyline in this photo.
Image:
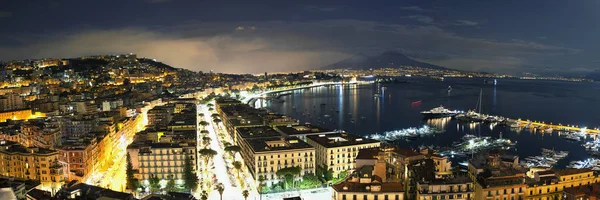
(232, 37)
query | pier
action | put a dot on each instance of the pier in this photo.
(555, 127)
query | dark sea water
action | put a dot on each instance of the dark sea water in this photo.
(361, 113)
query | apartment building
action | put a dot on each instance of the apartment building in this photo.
(162, 160)
(38, 164)
(266, 155)
(337, 151)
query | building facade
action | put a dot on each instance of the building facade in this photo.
(338, 151)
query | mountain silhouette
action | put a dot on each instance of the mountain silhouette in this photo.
(594, 75)
(389, 59)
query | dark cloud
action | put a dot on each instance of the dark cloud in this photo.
(421, 18)
(414, 8)
(314, 8)
(287, 46)
(5, 14)
(466, 23)
(158, 1)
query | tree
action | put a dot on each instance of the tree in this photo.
(329, 175)
(217, 120)
(261, 180)
(245, 193)
(309, 181)
(204, 195)
(132, 182)
(210, 105)
(211, 109)
(232, 150)
(238, 166)
(220, 188)
(201, 114)
(154, 184)
(170, 187)
(289, 173)
(190, 179)
(215, 115)
(203, 123)
(206, 141)
(204, 132)
(207, 154)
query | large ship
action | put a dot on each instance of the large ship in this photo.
(440, 112)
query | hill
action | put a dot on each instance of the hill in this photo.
(595, 75)
(390, 59)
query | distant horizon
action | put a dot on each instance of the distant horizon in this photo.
(549, 74)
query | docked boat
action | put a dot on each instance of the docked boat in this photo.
(440, 112)
(572, 137)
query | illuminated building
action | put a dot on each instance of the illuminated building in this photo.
(272, 119)
(368, 182)
(11, 102)
(429, 185)
(550, 184)
(78, 125)
(583, 192)
(184, 119)
(265, 156)
(23, 114)
(443, 166)
(162, 160)
(79, 157)
(31, 163)
(160, 116)
(301, 131)
(337, 151)
(497, 176)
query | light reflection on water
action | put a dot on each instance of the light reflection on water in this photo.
(393, 110)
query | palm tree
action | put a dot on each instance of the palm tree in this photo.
(245, 193)
(289, 171)
(238, 166)
(261, 179)
(219, 187)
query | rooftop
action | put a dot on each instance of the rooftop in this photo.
(257, 132)
(13, 147)
(571, 171)
(93, 192)
(365, 187)
(340, 140)
(224, 101)
(302, 129)
(277, 144)
(369, 153)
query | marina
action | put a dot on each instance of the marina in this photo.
(548, 159)
(353, 108)
(408, 133)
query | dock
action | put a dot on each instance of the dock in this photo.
(556, 127)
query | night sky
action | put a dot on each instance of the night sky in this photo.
(543, 36)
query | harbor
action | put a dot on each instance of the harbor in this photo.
(397, 116)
